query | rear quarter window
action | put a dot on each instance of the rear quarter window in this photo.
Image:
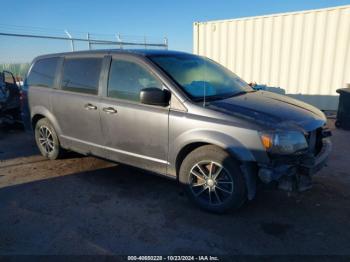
(81, 75)
(43, 72)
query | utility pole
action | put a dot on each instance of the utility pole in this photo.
(88, 38)
(119, 39)
(166, 43)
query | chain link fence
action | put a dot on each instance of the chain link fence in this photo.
(20, 44)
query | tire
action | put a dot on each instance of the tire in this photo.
(218, 191)
(337, 124)
(47, 140)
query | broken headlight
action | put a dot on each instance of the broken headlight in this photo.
(283, 142)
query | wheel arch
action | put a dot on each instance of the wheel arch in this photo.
(187, 149)
(207, 137)
(35, 119)
(247, 166)
(40, 112)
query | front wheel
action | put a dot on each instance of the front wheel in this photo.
(47, 140)
(213, 179)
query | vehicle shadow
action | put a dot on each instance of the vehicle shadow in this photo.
(101, 211)
(17, 143)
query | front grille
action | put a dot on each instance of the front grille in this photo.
(319, 143)
(314, 139)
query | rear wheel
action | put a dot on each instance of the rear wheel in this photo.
(213, 179)
(47, 140)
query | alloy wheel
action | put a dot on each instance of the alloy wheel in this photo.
(210, 183)
(46, 139)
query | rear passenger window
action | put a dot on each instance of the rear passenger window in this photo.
(126, 79)
(81, 75)
(43, 72)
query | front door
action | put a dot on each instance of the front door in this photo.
(134, 133)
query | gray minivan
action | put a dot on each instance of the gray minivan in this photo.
(179, 115)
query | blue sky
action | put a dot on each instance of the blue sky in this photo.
(153, 18)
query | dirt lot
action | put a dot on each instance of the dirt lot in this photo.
(83, 205)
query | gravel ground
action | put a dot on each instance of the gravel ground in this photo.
(84, 205)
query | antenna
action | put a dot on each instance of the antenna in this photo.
(204, 87)
(204, 83)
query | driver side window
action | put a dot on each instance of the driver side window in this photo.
(127, 78)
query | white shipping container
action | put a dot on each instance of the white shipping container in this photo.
(306, 54)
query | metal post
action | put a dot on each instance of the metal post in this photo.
(166, 43)
(72, 42)
(119, 39)
(88, 38)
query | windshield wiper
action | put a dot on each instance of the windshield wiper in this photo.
(216, 97)
(238, 93)
(221, 97)
(231, 95)
(241, 93)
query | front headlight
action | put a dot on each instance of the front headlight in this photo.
(283, 142)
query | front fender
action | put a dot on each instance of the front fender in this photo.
(222, 140)
(216, 138)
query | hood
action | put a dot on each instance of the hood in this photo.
(271, 109)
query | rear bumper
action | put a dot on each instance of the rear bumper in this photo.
(296, 174)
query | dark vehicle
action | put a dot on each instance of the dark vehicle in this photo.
(343, 114)
(10, 99)
(179, 115)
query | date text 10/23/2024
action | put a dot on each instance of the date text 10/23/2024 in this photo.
(173, 258)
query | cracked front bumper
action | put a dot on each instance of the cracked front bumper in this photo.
(295, 173)
(314, 164)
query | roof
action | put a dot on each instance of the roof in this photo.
(140, 52)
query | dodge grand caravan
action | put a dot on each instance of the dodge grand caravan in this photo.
(178, 115)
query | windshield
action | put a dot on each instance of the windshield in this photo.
(199, 76)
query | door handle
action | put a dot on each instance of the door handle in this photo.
(90, 107)
(109, 110)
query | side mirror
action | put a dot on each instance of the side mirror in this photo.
(252, 84)
(155, 96)
(8, 76)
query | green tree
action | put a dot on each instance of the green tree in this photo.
(18, 70)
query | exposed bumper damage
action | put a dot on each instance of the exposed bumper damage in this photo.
(295, 174)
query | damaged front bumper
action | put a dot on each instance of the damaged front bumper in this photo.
(295, 173)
